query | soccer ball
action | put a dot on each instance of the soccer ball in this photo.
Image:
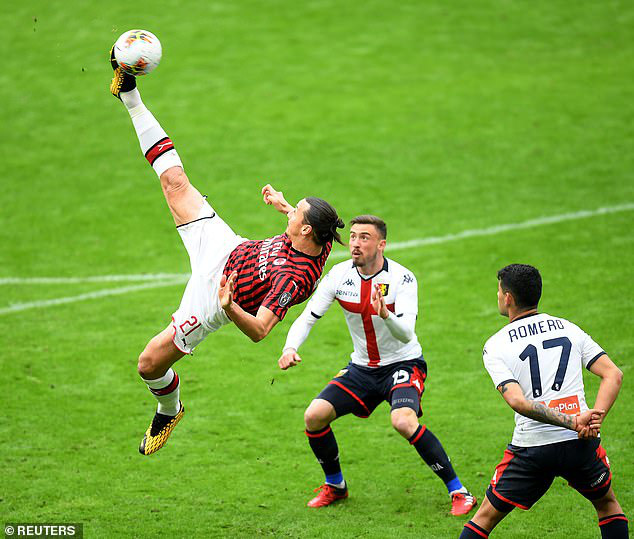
(138, 52)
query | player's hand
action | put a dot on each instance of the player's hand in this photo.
(588, 423)
(275, 198)
(378, 302)
(289, 358)
(227, 288)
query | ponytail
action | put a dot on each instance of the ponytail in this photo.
(324, 220)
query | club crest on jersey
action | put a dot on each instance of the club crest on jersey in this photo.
(285, 299)
(279, 261)
(384, 287)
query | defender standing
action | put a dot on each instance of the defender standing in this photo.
(380, 300)
(536, 362)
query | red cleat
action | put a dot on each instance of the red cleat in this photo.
(327, 495)
(462, 503)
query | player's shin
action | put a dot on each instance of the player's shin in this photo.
(324, 446)
(472, 531)
(614, 527)
(155, 144)
(166, 390)
(434, 455)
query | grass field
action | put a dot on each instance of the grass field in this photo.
(441, 117)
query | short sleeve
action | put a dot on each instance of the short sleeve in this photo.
(284, 293)
(406, 301)
(590, 350)
(495, 365)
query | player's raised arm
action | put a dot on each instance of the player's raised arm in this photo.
(401, 326)
(276, 199)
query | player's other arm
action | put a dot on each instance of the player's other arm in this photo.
(276, 199)
(611, 380)
(297, 334)
(317, 306)
(402, 328)
(513, 395)
(255, 327)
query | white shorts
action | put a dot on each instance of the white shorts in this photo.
(209, 242)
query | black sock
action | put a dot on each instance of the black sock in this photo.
(324, 445)
(432, 452)
(614, 527)
(472, 531)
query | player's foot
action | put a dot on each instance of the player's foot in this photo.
(159, 431)
(462, 503)
(121, 81)
(327, 495)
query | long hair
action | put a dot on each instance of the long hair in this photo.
(324, 220)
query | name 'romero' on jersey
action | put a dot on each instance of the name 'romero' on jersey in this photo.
(272, 274)
(374, 345)
(546, 356)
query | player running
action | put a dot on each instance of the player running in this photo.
(249, 283)
(536, 363)
(380, 301)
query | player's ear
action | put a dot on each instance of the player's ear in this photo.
(307, 229)
(382, 244)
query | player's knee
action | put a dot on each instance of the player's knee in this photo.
(404, 421)
(174, 179)
(148, 364)
(314, 419)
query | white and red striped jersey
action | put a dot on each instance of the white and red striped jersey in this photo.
(545, 355)
(374, 344)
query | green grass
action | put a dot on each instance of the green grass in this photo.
(438, 116)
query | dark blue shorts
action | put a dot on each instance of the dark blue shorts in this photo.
(359, 390)
(526, 473)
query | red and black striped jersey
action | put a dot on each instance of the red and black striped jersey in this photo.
(271, 273)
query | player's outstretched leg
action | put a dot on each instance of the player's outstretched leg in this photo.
(183, 199)
(155, 368)
(405, 421)
(317, 418)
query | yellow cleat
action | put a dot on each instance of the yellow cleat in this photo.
(121, 81)
(159, 431)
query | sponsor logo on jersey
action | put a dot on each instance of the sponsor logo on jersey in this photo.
(565, 405)
(349, 293)
(384, 287)
(268, 249)
(349, 282)
(408, 279)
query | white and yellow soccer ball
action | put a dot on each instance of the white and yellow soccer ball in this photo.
(138, 52)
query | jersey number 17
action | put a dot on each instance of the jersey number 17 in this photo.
(530, 352)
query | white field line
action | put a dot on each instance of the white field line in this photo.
(168, 279)
(142, 277)
(497, 229)
(17, 307)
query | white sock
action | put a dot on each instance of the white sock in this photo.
(462, 490)
(166, 390)
(155, 144)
